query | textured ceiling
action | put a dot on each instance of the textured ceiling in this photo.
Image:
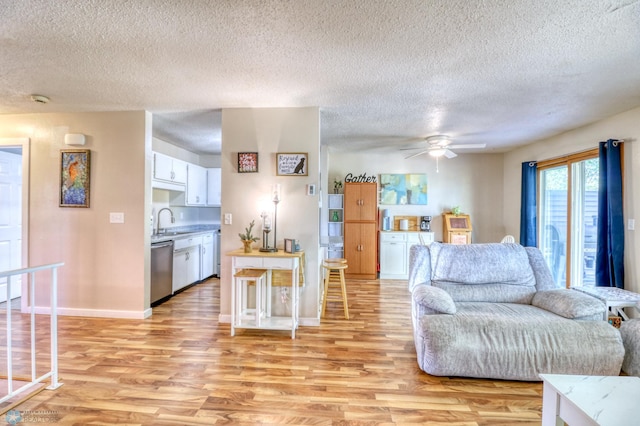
(384, 73)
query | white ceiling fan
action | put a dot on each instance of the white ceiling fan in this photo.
(440, 145)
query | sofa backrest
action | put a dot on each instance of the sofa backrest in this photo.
(493, 272)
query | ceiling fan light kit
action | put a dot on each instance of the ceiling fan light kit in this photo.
(440, 146)
(439, 152)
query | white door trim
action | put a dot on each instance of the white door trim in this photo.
(25, 144)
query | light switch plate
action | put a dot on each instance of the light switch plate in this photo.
(631, 224)
(228, 218)
(116, 217)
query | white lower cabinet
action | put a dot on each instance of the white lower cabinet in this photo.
(207, 256)
(186, 262)
(394, 252)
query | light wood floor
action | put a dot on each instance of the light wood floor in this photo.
(181, 367)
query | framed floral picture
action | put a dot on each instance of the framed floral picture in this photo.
(247, 162)
(75, 176)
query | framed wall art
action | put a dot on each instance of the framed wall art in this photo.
(75, 177)
(291, 164)
(247, 162)
(403, 189)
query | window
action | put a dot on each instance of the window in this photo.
(568, 200)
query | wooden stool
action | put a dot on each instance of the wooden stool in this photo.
(239, 294)
(334, 277)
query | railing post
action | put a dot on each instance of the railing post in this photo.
(54, 329)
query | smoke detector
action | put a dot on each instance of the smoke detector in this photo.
(40, 99)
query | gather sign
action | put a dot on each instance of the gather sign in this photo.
(361, 178)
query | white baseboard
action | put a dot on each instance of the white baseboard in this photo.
(307, 322)
(95, 313)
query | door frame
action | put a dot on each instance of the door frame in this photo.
(25, 144)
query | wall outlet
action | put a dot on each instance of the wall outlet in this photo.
(228, 219)
(116, 217)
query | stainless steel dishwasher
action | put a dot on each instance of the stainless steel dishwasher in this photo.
(161, 270)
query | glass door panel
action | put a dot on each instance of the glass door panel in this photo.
(584, 214)
(553, 220)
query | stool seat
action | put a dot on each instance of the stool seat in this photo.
(240, 312)
(334, 280)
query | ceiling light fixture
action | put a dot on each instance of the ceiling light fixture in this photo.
(437, 152)
(40, 99)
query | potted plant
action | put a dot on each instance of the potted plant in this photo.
(247, 238)
(337, 184)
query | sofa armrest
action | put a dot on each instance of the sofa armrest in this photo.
(419, 266)
(433, 300)
(568, 303)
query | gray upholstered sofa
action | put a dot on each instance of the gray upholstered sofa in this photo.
(493, 311)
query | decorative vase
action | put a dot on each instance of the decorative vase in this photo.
(336, 217)
(335, 190)
(247, 245)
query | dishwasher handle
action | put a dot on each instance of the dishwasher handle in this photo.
(160, 245)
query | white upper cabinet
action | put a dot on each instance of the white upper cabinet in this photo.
(169, 169)
(214, 186)
(196, 185)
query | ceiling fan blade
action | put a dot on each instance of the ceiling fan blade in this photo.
(469, 146)
(416, 154)
(450, 154)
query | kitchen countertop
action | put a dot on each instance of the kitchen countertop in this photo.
(179, 232)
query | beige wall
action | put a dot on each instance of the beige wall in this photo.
(106, 265)
(269, 131)
(622, 126)
(471, 181)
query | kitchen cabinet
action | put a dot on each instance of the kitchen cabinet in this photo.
(360, 202)
(186, 262)
(394, 252)
(360, 230)
(208, 256)
(169, 169)
(196, 185)
(214, 186)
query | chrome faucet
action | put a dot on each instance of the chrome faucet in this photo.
(173, 219)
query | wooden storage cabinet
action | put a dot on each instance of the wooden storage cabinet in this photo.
(361, 202)
(361, 230)
(360, 250)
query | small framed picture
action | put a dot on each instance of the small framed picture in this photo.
(291, 164)
(247, 162)
(75, 168)
(290, 245)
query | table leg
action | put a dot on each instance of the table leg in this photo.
(550, 406)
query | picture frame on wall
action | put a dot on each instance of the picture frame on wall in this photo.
(247, 162)
(75, 177)
(292, 163)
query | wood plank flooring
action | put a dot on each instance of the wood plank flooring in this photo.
(181, 367)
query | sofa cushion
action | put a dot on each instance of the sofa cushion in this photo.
(569, 303)
(434, 298)
(491, 272)
(514, 342)
(481, 264)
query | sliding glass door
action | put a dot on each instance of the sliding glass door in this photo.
(568, 211)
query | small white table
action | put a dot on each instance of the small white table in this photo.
(590, 400)
(615, 299)
(270, 261)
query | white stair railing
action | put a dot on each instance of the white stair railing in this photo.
(53, 371)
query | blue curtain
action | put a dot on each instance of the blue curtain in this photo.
(610, 224)
(528, 207)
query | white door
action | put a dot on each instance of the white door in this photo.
(10, 217)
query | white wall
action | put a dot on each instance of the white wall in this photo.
(622, 126)
(269, 131)
(471, 181)
(106, 271)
